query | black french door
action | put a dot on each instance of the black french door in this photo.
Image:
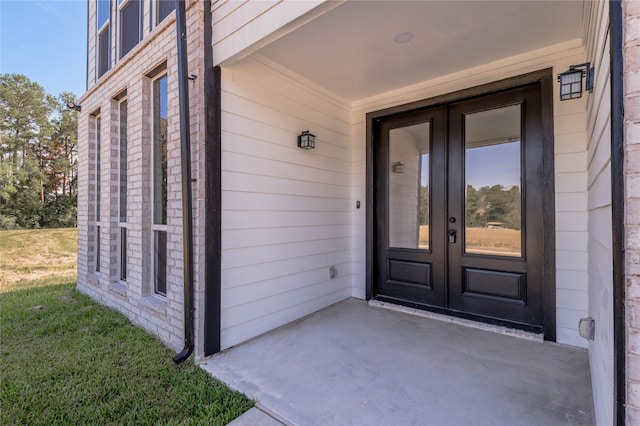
(458, 199)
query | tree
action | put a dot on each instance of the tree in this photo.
(493, 204)
(38, 166)
(424, 204)
(61, 165)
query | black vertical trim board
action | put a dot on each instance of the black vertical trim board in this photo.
(617, 208)
(370, 278)
(549, 209)
(213, 143)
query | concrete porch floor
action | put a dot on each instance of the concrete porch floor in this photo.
(352, 364)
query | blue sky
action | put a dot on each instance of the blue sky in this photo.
(493, 165)
(487, 166)
(46, 41)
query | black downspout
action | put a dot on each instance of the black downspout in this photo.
(617, 209)
(185, 155)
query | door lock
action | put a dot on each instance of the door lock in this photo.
(452, 236)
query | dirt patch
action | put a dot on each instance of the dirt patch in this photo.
(67, 298)
(36, 268)
(37, 308)
(29, 258)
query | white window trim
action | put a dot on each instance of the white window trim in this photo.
(107, 22)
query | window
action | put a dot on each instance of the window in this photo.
(130, 25)
(122, 193)
(163, 9)
(97, 183)
(97, 260)
(159, 178)
(97, 195)
(104, 36)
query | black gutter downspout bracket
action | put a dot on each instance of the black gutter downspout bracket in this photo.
(185, 155)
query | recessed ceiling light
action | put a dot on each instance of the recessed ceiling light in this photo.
(403, 38)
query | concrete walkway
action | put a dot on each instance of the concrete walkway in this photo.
(352, 364)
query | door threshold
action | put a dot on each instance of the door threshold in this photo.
(521, 334)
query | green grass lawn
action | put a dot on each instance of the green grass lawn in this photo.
(68, 360)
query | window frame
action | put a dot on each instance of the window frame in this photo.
(122, 237)
(97, 193)
(157, 229)
(121, 6)
(156, 11)
(100, 31)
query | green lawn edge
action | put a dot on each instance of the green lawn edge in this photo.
(69, 360)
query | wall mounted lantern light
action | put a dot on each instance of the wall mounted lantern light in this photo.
(73, 105)
(397, 167)
(571, 81)
(306, 140)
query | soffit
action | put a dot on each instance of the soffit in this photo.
(351, 52)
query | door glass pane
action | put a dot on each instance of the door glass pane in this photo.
(409, 187)
(493, 175)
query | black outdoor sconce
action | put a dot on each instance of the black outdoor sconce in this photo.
(397, 167)
(73, 105)
(306, 140)
(571, 81)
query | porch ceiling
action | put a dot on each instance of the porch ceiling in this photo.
(351, 51)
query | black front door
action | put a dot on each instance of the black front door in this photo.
(458, 200)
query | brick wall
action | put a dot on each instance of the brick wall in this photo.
(162, 316)
(631, 57)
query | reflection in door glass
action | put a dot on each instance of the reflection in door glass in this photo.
(493, 219)
(409, 187)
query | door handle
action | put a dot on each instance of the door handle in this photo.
(452, 236)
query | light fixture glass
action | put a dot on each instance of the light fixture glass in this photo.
(306, 140)
(571, 81)
(397, 167)
(570, 84)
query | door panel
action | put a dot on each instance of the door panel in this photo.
(409, 173)
(495, 152)
(458, 194)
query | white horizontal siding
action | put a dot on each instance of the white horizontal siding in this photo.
(358, 217)
(285, 211)
(257, 255)
(298, 307)
(600, 266)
